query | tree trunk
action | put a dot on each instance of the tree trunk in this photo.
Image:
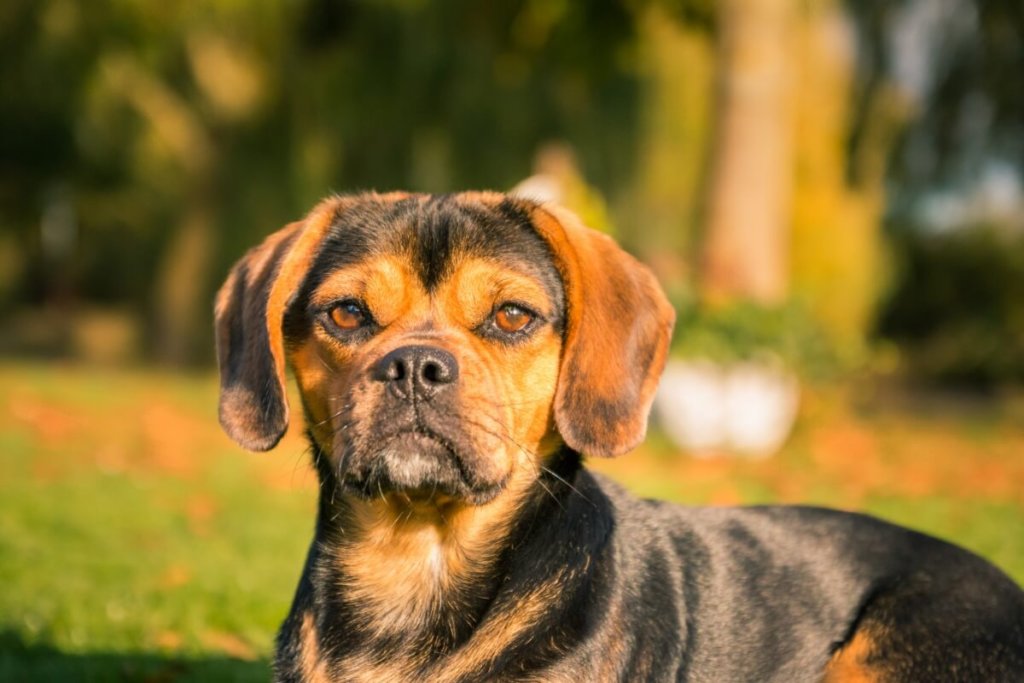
(746, 238)
(181, 286)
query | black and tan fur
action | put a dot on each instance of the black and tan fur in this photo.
(458, 536)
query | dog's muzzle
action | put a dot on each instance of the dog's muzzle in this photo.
(416, 444)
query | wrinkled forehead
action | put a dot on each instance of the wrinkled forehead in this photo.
(435, 234)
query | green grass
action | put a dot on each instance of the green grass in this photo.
(113, 560)
(138, 543)
(130, 571)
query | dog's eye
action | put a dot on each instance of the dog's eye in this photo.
(348, 315)
(511, 318)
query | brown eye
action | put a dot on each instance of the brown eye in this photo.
(348, 315)
(511, 318)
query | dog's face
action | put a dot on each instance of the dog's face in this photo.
(426, 346)
(442, 345)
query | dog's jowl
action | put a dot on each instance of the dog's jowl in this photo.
(457, 356)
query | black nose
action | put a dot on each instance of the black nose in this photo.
(417, 371)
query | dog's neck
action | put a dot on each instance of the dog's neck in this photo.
(425, 581)
(400, 565)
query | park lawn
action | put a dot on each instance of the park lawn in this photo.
(138, 543)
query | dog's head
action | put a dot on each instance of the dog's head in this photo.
(443, 345)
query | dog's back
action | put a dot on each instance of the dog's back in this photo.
(783, 593)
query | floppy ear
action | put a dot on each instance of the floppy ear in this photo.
(618, 327)
(248, 320)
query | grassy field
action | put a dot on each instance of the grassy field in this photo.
(138, 543)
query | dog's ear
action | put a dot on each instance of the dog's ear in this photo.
(248, 320)
(618, 327)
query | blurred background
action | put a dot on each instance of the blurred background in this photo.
(830, 192)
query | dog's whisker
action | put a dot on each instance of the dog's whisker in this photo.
(502, 433)
(453, 538)
(342, 460)
(551, 494)
(336, 414)
(299, 457)
(509, 404)
(566, 482)
(529, 453)
(394, 524)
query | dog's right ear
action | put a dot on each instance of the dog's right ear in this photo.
(248, 321)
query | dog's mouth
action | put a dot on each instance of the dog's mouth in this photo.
(418, 467)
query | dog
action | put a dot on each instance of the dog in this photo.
(457, 356)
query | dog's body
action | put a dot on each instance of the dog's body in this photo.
(455, 355)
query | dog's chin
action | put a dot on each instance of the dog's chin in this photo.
(415, 469)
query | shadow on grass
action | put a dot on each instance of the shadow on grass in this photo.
(20, 661)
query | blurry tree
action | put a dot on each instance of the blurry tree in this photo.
(951, 71)
(747, 222)
(837, 266)
(460, 94)
(192, 79)
(134, 107)
(181, 136)
(143, 146)
(956, 312)
(184, 132)
(677, 67)
(957, 66)
(823, 122)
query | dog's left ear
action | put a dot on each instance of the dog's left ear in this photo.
(618, 328)
(248, 321)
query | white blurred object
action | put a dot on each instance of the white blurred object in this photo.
(760, 407)
(690, 405)
(747, 408)
(541, 188)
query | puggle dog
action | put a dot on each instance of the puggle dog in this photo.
(457, 357)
